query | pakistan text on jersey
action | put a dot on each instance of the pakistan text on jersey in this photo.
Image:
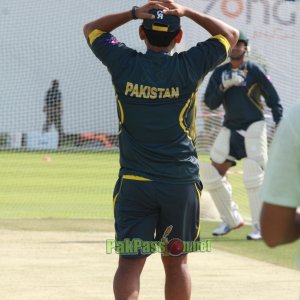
(150, 92)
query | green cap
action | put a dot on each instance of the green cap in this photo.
(243, 37)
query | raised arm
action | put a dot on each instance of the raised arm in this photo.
(213, 96)
(212, 25)
(110, 22)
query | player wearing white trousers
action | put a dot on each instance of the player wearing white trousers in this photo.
(255, 140)
(239, 87)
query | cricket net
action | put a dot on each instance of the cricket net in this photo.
(43, 41)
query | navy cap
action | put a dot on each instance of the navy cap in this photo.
(162, 22)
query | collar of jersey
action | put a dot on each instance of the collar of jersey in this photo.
(153, 53)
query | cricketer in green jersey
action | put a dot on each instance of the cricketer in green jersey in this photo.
(239, 87)
(159, 184)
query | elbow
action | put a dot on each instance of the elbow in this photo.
(233, 37)
(271, 242)
(86, 30)
(270, 237)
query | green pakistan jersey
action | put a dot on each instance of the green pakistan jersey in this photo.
(243, 104)
(156, 100)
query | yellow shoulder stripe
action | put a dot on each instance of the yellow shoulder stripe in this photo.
(94, 35)
(222, 39)
(133, 177)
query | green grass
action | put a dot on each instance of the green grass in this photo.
(70, 185)
(236, 243)
(79, 186)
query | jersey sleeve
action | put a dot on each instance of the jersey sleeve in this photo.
(270, 94)
(112, 53)
(207, 55)
(213, 96)
(281, 184)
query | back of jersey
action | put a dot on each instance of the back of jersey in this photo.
(156, 97)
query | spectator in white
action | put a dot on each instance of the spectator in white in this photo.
(280, 221)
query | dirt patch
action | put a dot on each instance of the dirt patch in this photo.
(73, 265)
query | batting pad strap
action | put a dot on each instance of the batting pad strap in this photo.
(94, 35)
(222, 39)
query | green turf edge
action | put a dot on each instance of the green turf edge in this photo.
(236, 243)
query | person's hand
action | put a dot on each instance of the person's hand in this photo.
(173, 8)
(143, 11)
(232, 78)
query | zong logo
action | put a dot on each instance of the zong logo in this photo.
(268, 8)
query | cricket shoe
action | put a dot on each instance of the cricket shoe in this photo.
(255, 235)
(225, 229)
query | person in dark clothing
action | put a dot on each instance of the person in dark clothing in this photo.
(159, 185)
(53, 110)
(239, 86)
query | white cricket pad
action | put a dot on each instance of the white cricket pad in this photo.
(256, 143)
(221, 193)
(253, 179)
(220, 149)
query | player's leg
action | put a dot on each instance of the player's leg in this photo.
(253, 179)
(178, 279)
(221, 193)
(136, 215)
(59, 128)
(47, 122)
(256, 143)
(256, 150)
(127, 278)
(180, 207)
(216, 183)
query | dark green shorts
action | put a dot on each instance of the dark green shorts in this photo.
(144, 209)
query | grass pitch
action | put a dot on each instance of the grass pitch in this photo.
(68, 185)
(57, 185)
(64, 189)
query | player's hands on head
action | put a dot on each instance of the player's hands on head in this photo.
(174, 8)
(143, 11)
(171, 8)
